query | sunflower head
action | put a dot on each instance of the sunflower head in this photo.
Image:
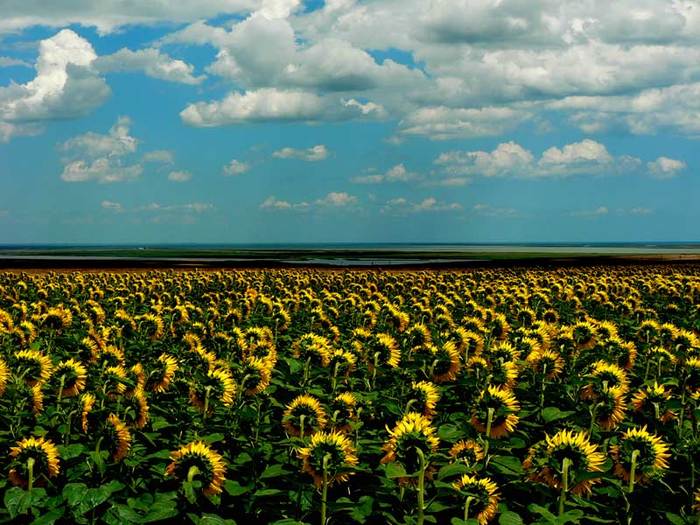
(384, 348)
(413, 431)
(468, 452)
(33, 366)
(304, 411)
(445, 362)
(426, 396)
(69, 378)
(482, 494)
(502, 405)
(256, 375)
(197, 460)
(162, 374)
(650, 453)
(545, 461)
(117, 438)
(329, 452)
(218, 387)
(45, 458)
(343, 408)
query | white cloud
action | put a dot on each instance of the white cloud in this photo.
(403, 206)
(158, 208)
(490, 211)
(597, 212)
(179, 176)
(313, 154)
(152, 62)
(10, 61)
(665, 168)
(66, 84)
(109, 15)
(444, 123)
(255, 106)
(236, 167)
(641, 211)
(112, 206)
(333, 200)
(162, 156)
(97, 157)
(397, 173)
(509, 159)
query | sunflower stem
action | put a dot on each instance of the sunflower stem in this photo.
(489, 422)
(60, 389)
(30, 474)
(191, 473)
(564, 484)
(544, 384)
(633, 469)
(421, 486)
(324, 490)
(207, 392)
(467, 503)
(301, 426)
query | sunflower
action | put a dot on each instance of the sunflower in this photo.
(546, 362)
(343, 361)
(344, 412)
(114, 378)
(545, 461)
(87, 402)
(72, 375)
(651, 401)
(45, 460)
(152, 326)
(4, 376)
(57, 318)
(482, 494)
(197, 459)
(426, 398)
(504, 374)
(468, 452)
(256, 375)
(652, 455)
(413, 431)
(602, 375)
(137, 377)
(610, 407)
(314, 347)
(33, 366)
(306, 407)
(504, 406)
(584, 334)
(161, 377)
(418, 335)
(384, 348)
(331, 450)
(446, 362)
(220, 386)
(137, 411)
(118, 438)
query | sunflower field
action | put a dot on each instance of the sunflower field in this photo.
(295, 396)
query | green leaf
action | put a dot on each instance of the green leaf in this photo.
(266, 492)
(510, 518)
(274, 471)
(50, 517)
(452, 470)
(17, 501)
(675, 519)
(70, 451)
(449, 432)
(550, 414)
(507, 465)
(395, 470)
(213, 438)
(233, 488)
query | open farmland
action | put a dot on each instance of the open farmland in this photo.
(519, 395)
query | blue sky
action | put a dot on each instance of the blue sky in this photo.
(348, 121)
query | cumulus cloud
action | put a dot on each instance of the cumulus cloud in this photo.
(665, 168)
(597, 212)
(312, 154)
(333, 200)
(162, 156)
(109, 15)
(397, 173)
(403, 206)
(444, 123)
(152, 62)
(101, 157)
(179, 176)
(112, 206)
(10, 61)
(509, 159)
(66, 85)
(236, 167)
